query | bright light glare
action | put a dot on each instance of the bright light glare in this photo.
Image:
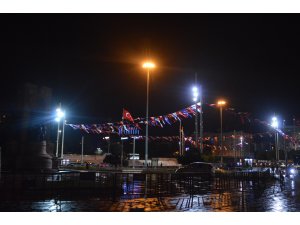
(274, 122)
(195, 94)
(292, 171)
(221, 102)
(148, 65)
(195, 89)
(59, 114)
(106, 138)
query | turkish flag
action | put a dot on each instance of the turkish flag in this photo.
(127, 116)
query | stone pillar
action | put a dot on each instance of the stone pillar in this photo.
(37, 158)
(35, 103)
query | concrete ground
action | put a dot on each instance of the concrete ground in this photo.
(141, 205)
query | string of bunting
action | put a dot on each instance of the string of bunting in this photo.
(245, 116)
(128, 125)
(171, 118)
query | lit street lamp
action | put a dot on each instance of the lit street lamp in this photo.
(195, 99)
(284, 147)
(107, 138)
(59, 115)
(241, 139)
(221, 103)
(63, 139)
(148, 66)
(275, 125)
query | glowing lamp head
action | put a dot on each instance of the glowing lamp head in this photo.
(221, 103)
(59, 114)
(195, 94)
(274, 122)
(148, 65)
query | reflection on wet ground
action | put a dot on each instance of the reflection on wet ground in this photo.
(274, 198)
(214, 196)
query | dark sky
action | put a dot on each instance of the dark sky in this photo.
(93, 61)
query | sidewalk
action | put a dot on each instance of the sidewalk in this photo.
(141, 205)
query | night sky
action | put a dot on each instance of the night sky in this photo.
(92, 62)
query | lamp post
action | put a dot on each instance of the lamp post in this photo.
(57, 140)
(275, 126)
(148, 66)
(82, 143)
(284, 148)
(59, 115)
(242, 153)
(180, 139)
(195, 99)
(201, 125)
(63, 139)
(107, 138)
(221, 103)
(133, 155)
(234, 147)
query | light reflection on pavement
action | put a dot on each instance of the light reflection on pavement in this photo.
(245, 197)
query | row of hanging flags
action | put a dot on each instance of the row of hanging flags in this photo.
(131, 126)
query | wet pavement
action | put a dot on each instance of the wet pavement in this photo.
(232, 196)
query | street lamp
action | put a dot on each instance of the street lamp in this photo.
(275, 125)
(63, 138)
(59, 115)
(107, 138)
(148, 66)
(284, 147)
(195, 94)
(221, 103)
(195, 99)
(241, 139)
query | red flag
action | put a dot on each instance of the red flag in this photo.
(127, 116)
